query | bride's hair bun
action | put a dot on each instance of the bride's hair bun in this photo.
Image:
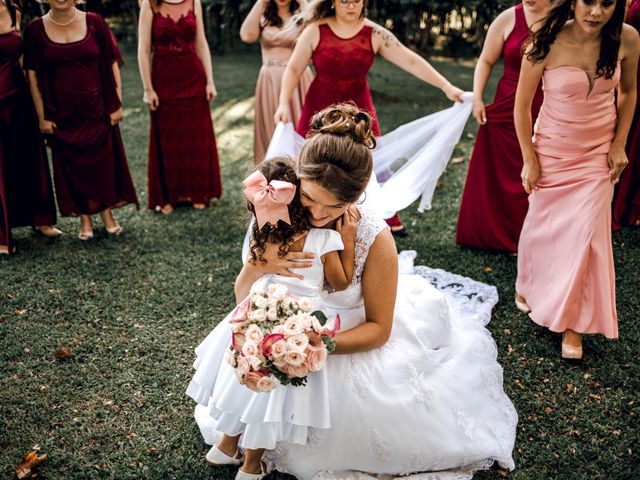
(344, 119)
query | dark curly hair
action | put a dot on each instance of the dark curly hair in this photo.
(271, 16)
(279, 168)
(561, 12)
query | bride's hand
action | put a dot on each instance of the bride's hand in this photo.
(282, 265)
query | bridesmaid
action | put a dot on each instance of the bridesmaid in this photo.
(74, 75)
(493, 202)
(584, 53)
(265, 22)
(343, 44)
(178, 86)
(26, 195)
(626, 200)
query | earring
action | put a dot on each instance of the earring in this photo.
(333, 7)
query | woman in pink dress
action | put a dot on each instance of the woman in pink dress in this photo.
(626, 199)
(26, 195)
(584, 53)
(493, 203)
(343, 44)
(265, 22)
(178, 86)
(74, 75)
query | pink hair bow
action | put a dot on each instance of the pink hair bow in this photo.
(270, 200)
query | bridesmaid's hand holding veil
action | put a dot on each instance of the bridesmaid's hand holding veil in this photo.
(281, 114)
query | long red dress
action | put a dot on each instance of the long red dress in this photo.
(26, 195)
(341, 65)
(183, 157)
(626, 202)
(494, 203)
(79, 92)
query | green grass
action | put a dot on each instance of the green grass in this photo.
(131, 310)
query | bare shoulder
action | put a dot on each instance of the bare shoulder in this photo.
(383, 252)
(505, 21)
(380, 36)
(629, 40)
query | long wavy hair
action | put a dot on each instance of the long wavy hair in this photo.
(561, 12)
(279, 168)
(271, 16)
(13, 6)
(319, 9)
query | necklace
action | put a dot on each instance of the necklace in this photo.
(75, 15)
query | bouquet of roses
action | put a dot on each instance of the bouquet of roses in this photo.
(276, 338)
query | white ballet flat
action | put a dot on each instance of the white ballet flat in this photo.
(217, 457)
(264, 466)
(522, 306)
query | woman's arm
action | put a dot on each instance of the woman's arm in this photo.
(250, 29)
(295, 68)
(530, 75)
(379, 286)
(202, 50)
(252, 271)
(46, 126)
(491, 52)
(145, 23)
(117, 116)
(385, 43)
(627, 93)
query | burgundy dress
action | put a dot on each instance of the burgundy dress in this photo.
(183, 157)
(626, 200)
(494, 203)
(341, 65)
(26, 195)
(79, 92)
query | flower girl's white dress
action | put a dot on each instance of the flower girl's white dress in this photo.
(429, 402)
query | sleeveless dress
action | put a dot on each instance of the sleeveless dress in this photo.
(285, 413)
(341, 66)
(183, 157)
(26, 195)
(494, 203)
(277, 46)
(626, 200)
(565, 258)
(79, 92)
(430, 399)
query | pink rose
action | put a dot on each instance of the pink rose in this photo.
(298, 371)
(240, 313)
(268, 342)
(316, 357)
(266, 384)
(278, 349)
(237, 341)
(251, 380)
(254, 334)
(294, 358)
(298, 343)
(250, 349)
(242, 367)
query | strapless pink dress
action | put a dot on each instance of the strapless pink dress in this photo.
(565, 258)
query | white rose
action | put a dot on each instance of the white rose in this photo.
(305, 304)
(242, 367)
(292, 326)
(280, 292)
(230, 358)
(315, 324)
(272, 314)
(260, 301)
(272, 304)
(258, 315)
(254, 361)
(294, 359)
(256, 291)
(288, 302)
(298, 343)
(271, 289)
(278, 329)
(278, 349)
(305, 320)
(254, 334)
(250, 349)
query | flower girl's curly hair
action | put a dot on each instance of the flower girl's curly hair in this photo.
(284, 169)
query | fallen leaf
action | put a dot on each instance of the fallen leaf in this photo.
(29, 462)
(509, 349)
(469, 135)
(548, 410)
(20, 311)
(439, 185)
(488, 269)
(456, 160)
(62, 353)
(519, 384)
(617, 432)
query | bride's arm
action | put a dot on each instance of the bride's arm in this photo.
(252, 271)
(379, 285)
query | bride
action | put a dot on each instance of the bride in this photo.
(414, 385)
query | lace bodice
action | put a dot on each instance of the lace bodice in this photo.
(369, 226)
(174, 29)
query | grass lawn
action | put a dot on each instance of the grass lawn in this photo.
(132, 309)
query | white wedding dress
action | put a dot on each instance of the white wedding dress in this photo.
(428, 404)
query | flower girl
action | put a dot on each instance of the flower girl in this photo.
(228, 413)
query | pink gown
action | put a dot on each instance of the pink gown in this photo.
(565, 259)
(277, 46)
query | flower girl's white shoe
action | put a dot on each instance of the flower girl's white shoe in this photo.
(264, 466)
(217, 457)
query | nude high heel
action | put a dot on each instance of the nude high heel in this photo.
(571, 352)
